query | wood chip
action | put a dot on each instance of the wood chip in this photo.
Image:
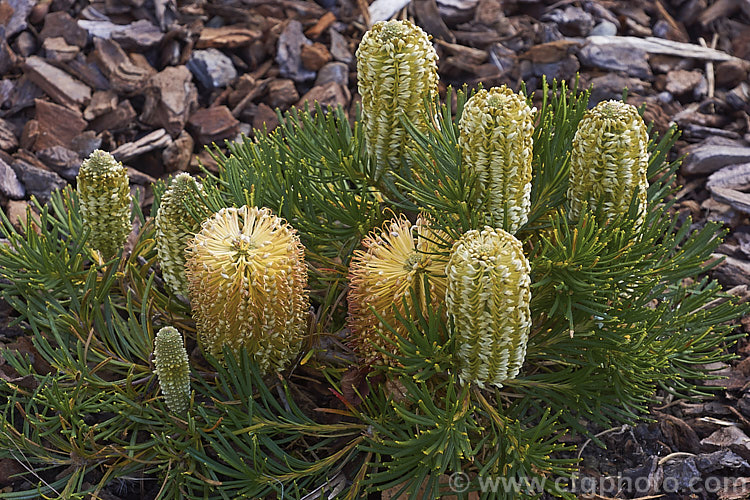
(323, 24)
(736, 199)
(170, 98)
(382, 10)
(60, 86)
(58, 50)
(732, 177)
(60, 24)
(102, 102)
(8, 139)
(329, 94)
(177, 155)
(88, 72)
(8, 58)
(709, 158)
(227, 37)
(654, 45)
(57, 125)
(314, 56)
(119, 119)
(157, 139)
(213, 125)
(282, 93)
(124, 75)
(429, 17)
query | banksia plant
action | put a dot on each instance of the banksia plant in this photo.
(174, 228)
(619, 311)
(246, 281)
(488, 299)
(389, 268)
(396, 71)
(172, 367)
(105, 202)
(496, 145)
(609, 161)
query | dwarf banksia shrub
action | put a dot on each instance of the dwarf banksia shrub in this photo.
(496, 145)
(393, 263)
(246, 280)
(105, 202)
(488, 299)
(174, 228)
(396, 71)
(609, 161)
(437, 307)
(172, 367)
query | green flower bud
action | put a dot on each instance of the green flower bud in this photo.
(104, 198)
(609, 161)
(496, 144)
(247, 281)
(488, 296)
(174, 228)
(396, 70)
(173, 369)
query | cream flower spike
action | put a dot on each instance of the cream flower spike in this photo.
(172, 367)
(496, 144)
(247, 281)
(394, 260)
(104, 197)
(174, 229)
(609, 161)
(396, 71)
(489, 290)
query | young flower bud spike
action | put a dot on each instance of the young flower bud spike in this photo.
(488, 298)
(496, 130)
(173, 369)
(174, 228)
(392, 264)
(609, 161)
(396, 71)
(104, 198)
(246, 278)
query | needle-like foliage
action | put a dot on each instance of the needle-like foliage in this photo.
(620, 307)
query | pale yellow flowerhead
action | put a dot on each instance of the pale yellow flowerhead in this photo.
(393, 263)
(247, 281)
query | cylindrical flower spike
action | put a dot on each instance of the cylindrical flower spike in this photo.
(488, 296)
(496, 130)
(174, 229)
(609, 161)
(396, 71)
(172, 367)
(104, 198)
(247, 281)
(393, 263)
